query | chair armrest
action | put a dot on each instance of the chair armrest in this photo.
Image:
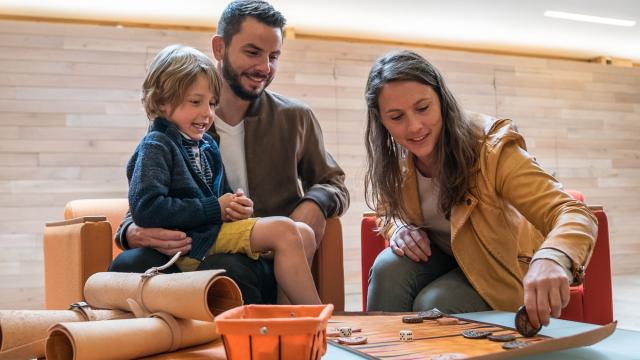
(113, 209)
(328, 269)
(598, 302)
(371, 244)
(73, 250)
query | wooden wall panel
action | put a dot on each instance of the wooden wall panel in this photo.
(70, 117)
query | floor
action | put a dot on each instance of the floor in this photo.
(626, 301)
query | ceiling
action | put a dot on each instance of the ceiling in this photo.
(515, 26)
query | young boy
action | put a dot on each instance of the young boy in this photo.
(176, 178)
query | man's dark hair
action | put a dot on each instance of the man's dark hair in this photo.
(235, 13)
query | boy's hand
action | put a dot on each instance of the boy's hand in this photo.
(225, 202)
(240, 208)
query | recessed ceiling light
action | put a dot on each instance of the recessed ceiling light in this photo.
(589, 18)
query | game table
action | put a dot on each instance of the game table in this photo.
(621, 345)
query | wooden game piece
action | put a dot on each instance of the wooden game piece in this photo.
(356, 340)
(431, 314)
(476, 334)
(412, 319)
(515, 345)
(501, 338)
(523, 325)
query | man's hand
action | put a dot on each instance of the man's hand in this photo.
(546, 291)
(168, 242)
(310, 213)
(412, 243)
(240, 207)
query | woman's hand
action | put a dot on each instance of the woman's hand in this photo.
(412, 243)
(546, 291)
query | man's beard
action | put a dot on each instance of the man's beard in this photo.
(233, 79)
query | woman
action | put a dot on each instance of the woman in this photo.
(474, 223)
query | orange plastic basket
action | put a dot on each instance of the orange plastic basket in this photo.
(260, 332)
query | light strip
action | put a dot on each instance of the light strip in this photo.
(588, 18)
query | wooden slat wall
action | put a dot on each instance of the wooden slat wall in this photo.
(70, 117)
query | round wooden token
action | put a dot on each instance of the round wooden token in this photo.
(476, 334)
(411, 319)
(523, 325)
(357, 340)
(431, 314)
(515, 345)
(448, 356)
(501, 338)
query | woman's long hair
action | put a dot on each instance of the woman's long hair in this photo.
(456, 150)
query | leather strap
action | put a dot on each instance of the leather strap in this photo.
(176, 333)
(83, 309)
(137, 305)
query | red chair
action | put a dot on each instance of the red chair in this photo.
(590, 302)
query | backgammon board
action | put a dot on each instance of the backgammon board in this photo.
(432, 340)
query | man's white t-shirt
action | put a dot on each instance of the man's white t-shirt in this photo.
(232, 151)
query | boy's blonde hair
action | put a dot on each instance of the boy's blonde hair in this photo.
(170, 75)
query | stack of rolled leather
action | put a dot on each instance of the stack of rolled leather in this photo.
(125, 316)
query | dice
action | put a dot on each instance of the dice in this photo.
(406, 335)
(345, 331)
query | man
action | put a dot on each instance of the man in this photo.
(271, 146)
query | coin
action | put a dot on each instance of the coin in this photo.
(431, 314)
(501, 338)
(515, 345)
(523, 325)
(476, 334)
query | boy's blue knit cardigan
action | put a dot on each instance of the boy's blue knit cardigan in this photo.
(166, 192)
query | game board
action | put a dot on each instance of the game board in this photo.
(434, 341)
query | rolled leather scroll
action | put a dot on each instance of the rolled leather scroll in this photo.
(198, 295)
(23, 332)
(126, 339)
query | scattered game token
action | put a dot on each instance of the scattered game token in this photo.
(345, 331)
(411, 319)
(431, 314)
(501, 338)
(523, 325)
(476, 334)
(356, 340)
(515, 345)
(448, 321)
(448, 356)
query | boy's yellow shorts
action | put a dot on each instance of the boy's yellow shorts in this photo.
(234, 237)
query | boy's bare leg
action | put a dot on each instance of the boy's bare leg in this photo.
(293, 273)
(309, 243)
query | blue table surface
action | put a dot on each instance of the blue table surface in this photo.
(621, 345)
